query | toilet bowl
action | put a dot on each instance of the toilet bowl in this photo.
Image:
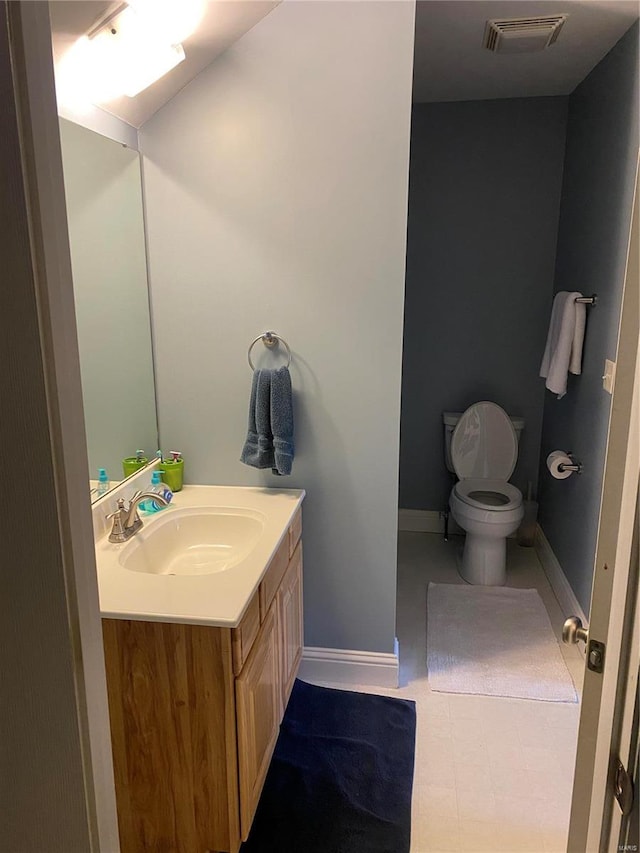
(483, 452)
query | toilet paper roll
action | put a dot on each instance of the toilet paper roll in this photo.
(555, 460)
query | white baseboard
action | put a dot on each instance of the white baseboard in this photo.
(425, 521)
(557, 578)
(344, 666)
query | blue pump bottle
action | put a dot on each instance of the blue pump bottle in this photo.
(159, 488)
(103, 482)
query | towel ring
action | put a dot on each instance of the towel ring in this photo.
(270, 340)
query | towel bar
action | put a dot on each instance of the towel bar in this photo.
(587, 300)
(270, 340)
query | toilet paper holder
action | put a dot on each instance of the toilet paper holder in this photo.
(574, 466)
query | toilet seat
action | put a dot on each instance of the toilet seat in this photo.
(488, 494)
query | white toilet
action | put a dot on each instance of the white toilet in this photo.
(481, 448)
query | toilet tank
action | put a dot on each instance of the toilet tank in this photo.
(450, 419)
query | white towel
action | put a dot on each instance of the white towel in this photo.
(563, 352)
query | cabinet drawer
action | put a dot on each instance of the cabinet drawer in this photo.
(295, 532)
(243, 636)
(273, 577)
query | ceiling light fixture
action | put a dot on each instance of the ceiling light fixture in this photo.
(126, 52)
(171, 21)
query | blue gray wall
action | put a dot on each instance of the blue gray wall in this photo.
(276, 195)
(597, 194)
(484, 196)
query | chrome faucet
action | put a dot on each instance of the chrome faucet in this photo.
(126, 521)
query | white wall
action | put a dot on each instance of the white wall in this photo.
(276, 194)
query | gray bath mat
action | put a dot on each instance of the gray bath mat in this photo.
(494, 641)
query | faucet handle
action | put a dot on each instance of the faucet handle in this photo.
(117, 511)
(117, 530)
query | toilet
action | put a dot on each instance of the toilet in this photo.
(481, 448)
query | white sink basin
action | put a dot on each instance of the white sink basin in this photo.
(199, 561)
(193, 541)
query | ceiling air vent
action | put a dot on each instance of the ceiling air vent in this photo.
(522, 35)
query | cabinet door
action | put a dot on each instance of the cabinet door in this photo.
(290, 624)
(258, 697)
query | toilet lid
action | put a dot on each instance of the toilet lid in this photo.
(484, 444)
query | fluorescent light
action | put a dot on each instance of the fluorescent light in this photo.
(153, 65)
(130, 51)
(132, 54)
(83, 77)
(171, 21)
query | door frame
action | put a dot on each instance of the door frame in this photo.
(34, 98)
(592, 813)
(625, 738)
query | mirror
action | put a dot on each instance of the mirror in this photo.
(103, 191)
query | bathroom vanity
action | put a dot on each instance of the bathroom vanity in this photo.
(199, 669)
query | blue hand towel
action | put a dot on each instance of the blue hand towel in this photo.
(258, 448)
(282, 420)
(269, 442)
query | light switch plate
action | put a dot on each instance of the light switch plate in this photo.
(609, 376)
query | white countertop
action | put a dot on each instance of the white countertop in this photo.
(210, 599)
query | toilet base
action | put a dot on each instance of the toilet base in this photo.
(484, 560)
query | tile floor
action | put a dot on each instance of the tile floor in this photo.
(491, 774)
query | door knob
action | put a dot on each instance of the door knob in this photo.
(573, 632)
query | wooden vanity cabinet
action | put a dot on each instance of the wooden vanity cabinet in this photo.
(195, 713)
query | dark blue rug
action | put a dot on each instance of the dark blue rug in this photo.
(341, 776)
